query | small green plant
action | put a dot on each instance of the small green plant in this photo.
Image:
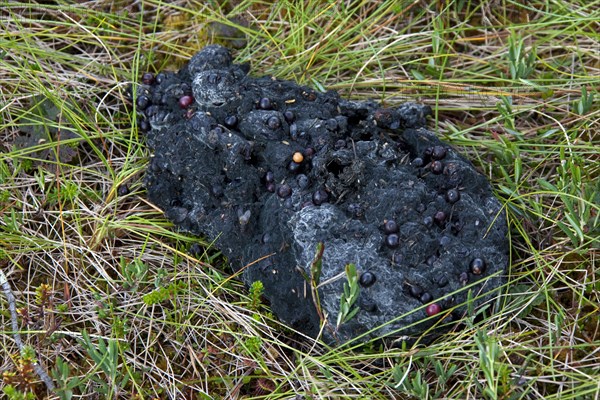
(164, 293)
(495, 374)
(520, 65)
(585, 102)
(133, 271)
(256, 291)
(106, 359)
(66, 383)
(348, 300)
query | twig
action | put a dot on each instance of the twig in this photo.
(15, 330)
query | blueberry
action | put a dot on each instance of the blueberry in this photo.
(433, 309)
(416, 291)
(367, 279)
(392, 240)
(437, 167)
(390, 226)
(418, 162)
(148, 78)
(265, 103)
(294, 167)
(289, 116)
(273, 122)
(478, 266)
(319, 197)
(438, 152)
(123, 190)
(160, 78)
(231, 121)
(428, 221)
(452, 196)
(270, 187)
(269, 177)
(426, 298)
(440, 218)
(142, 102)
(284, 191)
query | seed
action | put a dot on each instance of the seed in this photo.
(298, 157)
(284, 191)
(148, 78)
(273, 123)
(392, 240)
(433, 309)
(418, 162)
(438, 152)
(416, 291)
(142, 102)
(367, 279)
(231, 121)
(437, 167)
(390, 226)
(426, 298)
(185, 101)
(478, 266)
(264, 103)
(289, 116)
(319, 197)
(452, 196)
(440, 218)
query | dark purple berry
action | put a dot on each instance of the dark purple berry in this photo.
(478, 266)
(392, 240)
(185, 101)
(438, 152)
(269, 177)
(440, 218)
(231, 121)
(416, 291)
(319, 197)
(264, 103)
(418, 162)
(452, 196)
(160, 78)
(284, 191)
(390, 226)
(273, 122)
(428, 221)
(289, 116)
(123, 190)
(148, 78)
(433, 309)
(437, 167)
(367, 279)
(294, 167)
(143, 102)
(309, 152)
(426, 298)
(271, 187)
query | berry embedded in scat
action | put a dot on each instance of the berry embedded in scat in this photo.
(273, 122)
(390, 226)
(392, 240)
(265, 103)
(319, 197)
(284, 191)
(289, 116)
(185, 101)
(142, 102)
(433, 309)
(452, 196)
(437, 167)
(231, 121)
(477, 266)
(438, 152)
(367, 279)
(440, 218)
(148, 78)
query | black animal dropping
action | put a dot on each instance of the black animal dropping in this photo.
(367, 279)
